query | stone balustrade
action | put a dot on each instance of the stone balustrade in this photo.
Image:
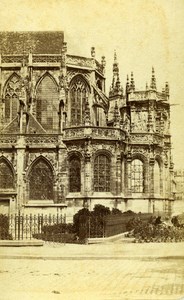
(146, 138)
(94, 132)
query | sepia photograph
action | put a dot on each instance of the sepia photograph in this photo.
(91, 150)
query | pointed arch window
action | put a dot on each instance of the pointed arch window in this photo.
(11, 97)
(75, 174)
(6, 176)
(41, 181)
(79, 91)
(157, 178)
(102, 173)
(137, 176)
(47, 104)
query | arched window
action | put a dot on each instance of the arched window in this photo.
(41, 181)
(6, 176)
(156, 178)
(102, 173)
(137, 176)
(75, 174)
(11, 97)
(47, 104)
(78, 93)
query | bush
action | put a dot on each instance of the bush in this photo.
(61, 233)
(116, 211)
(56, 237)
(4, 228)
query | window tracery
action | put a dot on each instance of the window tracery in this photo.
(74, 174)
(6, 176)
(41, 181)
(11, 97)
(78, 93)
(137, 176)
(47, 104)
(102, 173)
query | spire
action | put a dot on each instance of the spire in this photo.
(127, 84)
(116, 89)
(153, 80)
(146, 86)
(115, 69)
(132, 83)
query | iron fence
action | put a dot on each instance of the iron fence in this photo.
(23, 226)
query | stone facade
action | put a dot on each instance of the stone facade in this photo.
(179, 191)
(65, 144)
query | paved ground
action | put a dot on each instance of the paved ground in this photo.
(116, 250)
(105, 277)
(91, 279)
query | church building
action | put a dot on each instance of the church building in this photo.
(66, 143)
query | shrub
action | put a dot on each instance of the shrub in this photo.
(4, 228)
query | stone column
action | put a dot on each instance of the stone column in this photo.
(151, 177)
(62, 183)
(118, 175)
(149, 206)
(87, 177)
(20, 146)
(166, 180)
(161, 180)
(128, 176)
(171, 177)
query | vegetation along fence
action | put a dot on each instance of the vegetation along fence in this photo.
(105, 226)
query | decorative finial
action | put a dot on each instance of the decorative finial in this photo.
(103, 62)
(116, 114)
(64, 48)
(167, 88)
(127, 84)
(93, 52)
(115, 57)
(132, 83)
(153, 80)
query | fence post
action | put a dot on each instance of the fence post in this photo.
(89, 227)
(22, 223)
(19, 225)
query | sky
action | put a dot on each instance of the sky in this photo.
(144, 33)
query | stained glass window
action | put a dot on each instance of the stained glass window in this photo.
(47, 104)
(156, 178)
(6, 176)
(75, 174)
(41, 181)
(102, 173)
(11, 97)
(137, 176)
(78, 93)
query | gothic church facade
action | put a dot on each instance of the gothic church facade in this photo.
(65, 144)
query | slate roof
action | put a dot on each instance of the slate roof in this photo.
(41, 42)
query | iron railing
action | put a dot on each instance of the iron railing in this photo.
(24, 226)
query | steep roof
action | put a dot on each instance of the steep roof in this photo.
(41, 42)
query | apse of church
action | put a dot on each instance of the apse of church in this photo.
(65, 144)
